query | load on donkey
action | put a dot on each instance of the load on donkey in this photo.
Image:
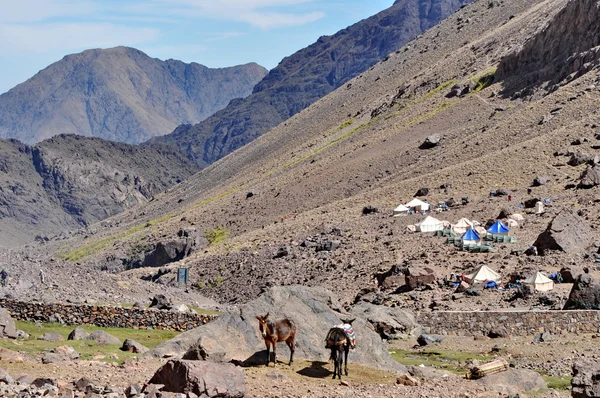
(340, 339)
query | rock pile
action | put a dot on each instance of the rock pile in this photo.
(586, 379)
(102, 316)
(567, 232)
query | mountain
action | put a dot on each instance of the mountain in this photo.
(311, 201)
(119, 94)
(69, 181)
(309, 74)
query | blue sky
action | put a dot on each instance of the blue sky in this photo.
(215, 33)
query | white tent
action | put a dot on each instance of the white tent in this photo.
(401, 210)
(517, 217)
(480, 231)
(540, 282)
(482, 274)
(430, 224)
(512, 223)
(462, 226)
(418, 205)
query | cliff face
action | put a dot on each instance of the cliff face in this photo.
(564, 48)
(308, 75)
(119, 94)
(70, 181)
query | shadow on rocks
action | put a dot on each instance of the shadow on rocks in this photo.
(316, 370)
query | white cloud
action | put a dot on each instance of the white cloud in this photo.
(42, 38)
(26, 11)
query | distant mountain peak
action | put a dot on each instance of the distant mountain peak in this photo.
(120, 94)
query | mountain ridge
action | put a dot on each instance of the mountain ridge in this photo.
(120, 94)
(307, 75)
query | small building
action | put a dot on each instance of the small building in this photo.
(430, 224)
(540, 282)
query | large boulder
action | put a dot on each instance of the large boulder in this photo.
(7, 325)
(234, 335)
(205, 379)
(52, 337)
(539, 181)
(133, 346)
(514, 381)
(101, 337)
(161, 302)
(168, 252)
(569, 274)
(429, 339)
(416, 276)
(586, 379)
(590, 177)
(431, 142)
(78, 334)
(585, 294)
(390, 323)
(567, 232)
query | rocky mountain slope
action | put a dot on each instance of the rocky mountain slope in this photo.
(288, 207)
(119, 94)
(309, 74)
(69, 181)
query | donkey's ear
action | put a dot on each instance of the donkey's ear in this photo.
(259, 318)
(266, 316)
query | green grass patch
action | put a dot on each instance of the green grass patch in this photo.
(216, 236)
(447, 360)
(87, 349)
(436, 90)
(484, 79)
(345, 124)
(558, 382)
(426, 116)
(98, 246)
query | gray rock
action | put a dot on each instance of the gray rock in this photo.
(133, 346)
(83, 383)
(428, 373)
(54, 358)
(167, 252)
(314, 311)
(56, 318)
(52, 337)
(133, 390)
(543, 338)
(418, 275)
(539, 181)
(585, 294)
(567, 232)
(579, 159)
(586, 379)
(206, 379)
(390, 323)
(161, 302)
(431, 142)
(25, 380)
(67, 351)
(7, 325)
(428, 339)
(570, 273)
(101, 337)
(590, 177)
(198, 353)
(41, 382)
(78, 334)
(514, 381)
(422, 192)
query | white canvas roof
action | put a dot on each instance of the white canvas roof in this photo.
(401, 209)
(516, 217)
(482, 274)
(462, 226)
(430, 224)
(415, 203)
(540, 282)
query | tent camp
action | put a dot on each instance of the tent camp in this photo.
(462, 226)
(401, 210)
(540, 282)
(498, 228)
(470, 237)
(430, 224)
(417, 205)
(482, 274)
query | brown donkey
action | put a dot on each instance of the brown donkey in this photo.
(275, 331)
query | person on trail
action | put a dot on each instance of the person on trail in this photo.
(42, 277)
(509, 198)
(3, 276)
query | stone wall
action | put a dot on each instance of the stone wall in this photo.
(105, 316)
(515, 323)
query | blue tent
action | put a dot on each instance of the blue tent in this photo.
(470, 236)
(498, 228)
